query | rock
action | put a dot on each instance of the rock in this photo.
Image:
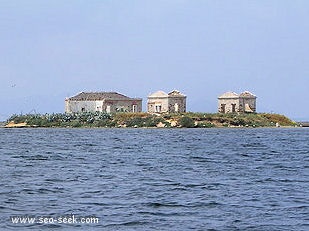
(173, 123)
(160, 125)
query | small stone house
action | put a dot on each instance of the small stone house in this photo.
(231, 102)
(161, 102)
(108, 102)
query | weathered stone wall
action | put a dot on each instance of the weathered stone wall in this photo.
(250, 101)
(79, 106)
(122, 105)
(239, 104)
(228, 105)
(72, 106)
(159, 101)
(176, 104)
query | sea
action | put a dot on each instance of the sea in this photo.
(154, 179)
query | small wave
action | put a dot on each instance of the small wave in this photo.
(201, 159)
(158, 204)
(128, 223)
(254, 145)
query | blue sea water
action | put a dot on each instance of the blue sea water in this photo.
(156, 179)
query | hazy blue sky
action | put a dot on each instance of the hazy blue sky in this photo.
(54, 49)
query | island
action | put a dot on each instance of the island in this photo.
(149, 120)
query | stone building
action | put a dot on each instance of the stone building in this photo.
(231, 102)
(161, 102)
(108, 102)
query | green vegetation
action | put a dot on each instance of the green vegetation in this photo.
(65, 120)
(188, 120)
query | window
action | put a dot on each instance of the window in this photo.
(108, 109)
(158, 108)
(233, 107)
(120, 109)
(176, 107)
(134, 108)
(222, 108)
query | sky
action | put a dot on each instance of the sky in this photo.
(54, 49)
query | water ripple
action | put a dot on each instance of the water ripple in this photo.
(156, 179)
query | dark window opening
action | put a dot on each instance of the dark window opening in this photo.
(233, 107)
(223, 108)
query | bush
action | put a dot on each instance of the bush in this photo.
(152, 121)
(101, 123)
(17, 118)
(186, 122)
(76, 124)
(276, 118)
(205, 125)
(137, 121)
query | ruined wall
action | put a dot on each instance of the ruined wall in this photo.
(156, 102)
(122, 106)
(176, 104)
(72, 106)
(250, 101)
(240, 105)
(228, 105)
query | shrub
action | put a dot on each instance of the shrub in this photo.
(205, 125)
(18, 118)
(76, 124)
(276, 118)
(137, 121)
(101, 123)
(186, 122)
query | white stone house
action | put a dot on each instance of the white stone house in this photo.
(108, 102)
(161, 102)
(231, 102)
